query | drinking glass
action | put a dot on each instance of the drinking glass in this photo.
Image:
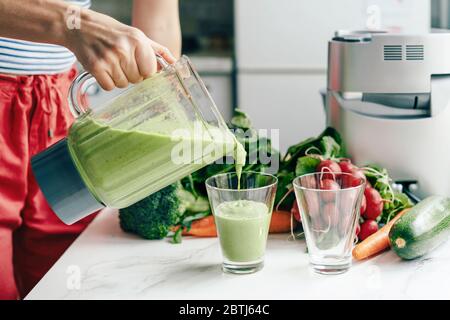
(242, 217)
(329, 206)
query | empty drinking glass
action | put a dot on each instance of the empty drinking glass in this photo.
(329, 205)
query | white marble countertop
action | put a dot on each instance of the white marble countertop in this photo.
(106, 263)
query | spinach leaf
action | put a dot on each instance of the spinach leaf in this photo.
(285, 179)
(240, 120)
(328, 144)
(330, 148)
(306, 164)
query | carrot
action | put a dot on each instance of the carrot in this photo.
(204, 227)
(376, 242)
(281, 222)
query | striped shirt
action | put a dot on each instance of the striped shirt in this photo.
(30, 58)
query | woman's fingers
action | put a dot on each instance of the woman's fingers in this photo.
(118, 76)
(131, 70)
(163, 52)
(145, 60)
(103, 78)
(115, 54)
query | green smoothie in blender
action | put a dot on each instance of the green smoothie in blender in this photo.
(141, 163)
(134, 152)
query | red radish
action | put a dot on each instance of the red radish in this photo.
(331, 186)
(359, 174)
(309, 181)
(346, 166)
(353, 179)
(358, 229)
(330, 214)
(363, 207)
(368, 227)
(374, 203)
(296, 212)
(347, 215)
(311, 203)
(330, 169)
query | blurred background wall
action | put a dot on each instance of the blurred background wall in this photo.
(269, 57)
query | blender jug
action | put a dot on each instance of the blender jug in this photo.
(117, 153)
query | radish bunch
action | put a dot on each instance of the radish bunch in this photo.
(371, 204)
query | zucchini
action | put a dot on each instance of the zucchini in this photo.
(422, 229)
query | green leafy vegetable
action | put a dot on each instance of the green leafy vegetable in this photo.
(331, 149)
(328, 145)
(394, 202)
(240, 120)
(177, 236)
(152, 217)
(255, 146)
(302, 158)
(284, 197)
(306, 164)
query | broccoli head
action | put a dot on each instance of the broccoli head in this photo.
(152, 217)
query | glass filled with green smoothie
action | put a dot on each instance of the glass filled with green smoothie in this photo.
(242, 208)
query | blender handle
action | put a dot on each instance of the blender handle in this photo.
(78, 89)
(77, 93)
(162, 62)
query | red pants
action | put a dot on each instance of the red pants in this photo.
(34, 114)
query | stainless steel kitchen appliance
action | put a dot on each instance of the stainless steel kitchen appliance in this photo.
(388, 95)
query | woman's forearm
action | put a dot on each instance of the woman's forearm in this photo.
(114, 53)
(34, 20)
(159, 20)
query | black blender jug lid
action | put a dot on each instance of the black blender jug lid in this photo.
(62, 185)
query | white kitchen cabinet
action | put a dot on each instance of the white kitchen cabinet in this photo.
(216, 73)
(293, 34)
(220, 88)
(288, 102)
(281, 54)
